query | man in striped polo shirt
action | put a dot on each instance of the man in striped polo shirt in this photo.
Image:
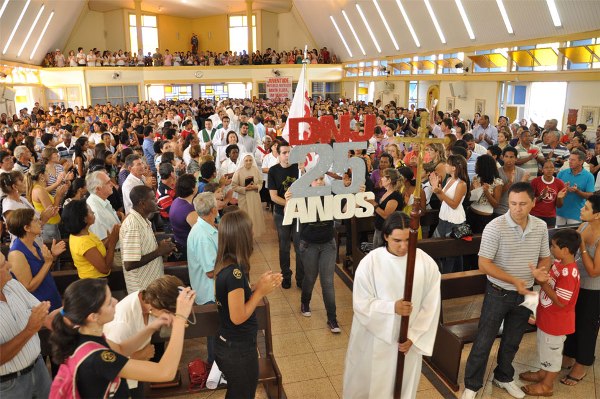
(514, 251)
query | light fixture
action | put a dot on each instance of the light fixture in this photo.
(385, 23)
(362, 15)
(465, 19)
(438, 28)
(408, 23)
(33, 25)
(3, 7)
(505, 16)
(353, 32)
(41, 35)
(12, 34)
(341, 36)
(554, 13)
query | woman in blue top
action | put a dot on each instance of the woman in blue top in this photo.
(30, 263)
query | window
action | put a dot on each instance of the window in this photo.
(69, 97)
(117, 95)
(214, 92)
(149, 34)
(238, 33)
(413, 93)
(327, 90)
(363, 91)
(583, 56)
(170, 92)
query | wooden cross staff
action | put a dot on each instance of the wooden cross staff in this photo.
(422, 140)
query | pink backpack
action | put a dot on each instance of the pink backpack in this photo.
(64, 385)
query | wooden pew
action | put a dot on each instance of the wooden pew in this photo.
(207, 324)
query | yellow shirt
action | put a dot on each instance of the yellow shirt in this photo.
(79, 245)
(40, 208)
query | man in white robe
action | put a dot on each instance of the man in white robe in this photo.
(370, 370)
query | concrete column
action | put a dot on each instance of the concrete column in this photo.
(249, 19)
(138, 27)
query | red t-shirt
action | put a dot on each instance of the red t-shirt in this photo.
(554, 320)
(185, 133)
(547, 206)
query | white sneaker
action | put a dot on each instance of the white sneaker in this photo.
(513, 389)
(468, 394)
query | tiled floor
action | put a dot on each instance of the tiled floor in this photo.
(311, 358)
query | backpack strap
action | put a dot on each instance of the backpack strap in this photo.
(82, 352)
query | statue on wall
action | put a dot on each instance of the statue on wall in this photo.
(194, 42)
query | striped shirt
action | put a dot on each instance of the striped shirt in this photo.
(14, 315)
(530, 166)
(137, 240)
(506, 244)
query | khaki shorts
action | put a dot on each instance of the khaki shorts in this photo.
(118, 260)
(550, 349)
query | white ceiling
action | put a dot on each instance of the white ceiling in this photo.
(530, 19)
(192, 8)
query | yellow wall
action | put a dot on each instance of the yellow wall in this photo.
(114, 30)
(269, 34)
(213, 33)
(88, 33)
(175, 33)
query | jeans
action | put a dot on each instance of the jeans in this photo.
(285, 234)
(450, 264)
(210, 344)
(378, 240)
(238, 360)
(581, 345)
(319, 259)
(35, 384)
(498, 306)
(551, 222)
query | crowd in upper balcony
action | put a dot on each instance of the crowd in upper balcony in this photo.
(107, 58)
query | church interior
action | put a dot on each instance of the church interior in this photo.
(528, 61)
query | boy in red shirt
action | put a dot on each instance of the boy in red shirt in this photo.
(555, 312)
(550, 192)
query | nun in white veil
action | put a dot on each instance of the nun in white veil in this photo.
(247, 182)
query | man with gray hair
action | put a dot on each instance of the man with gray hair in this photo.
(202, 254)
(23, 159)
(553, 150)
(580, 186)
(100, 188)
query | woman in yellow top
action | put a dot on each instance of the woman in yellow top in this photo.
(90, 255)
(407, 189)
(37, 194)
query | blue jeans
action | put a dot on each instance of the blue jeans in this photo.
(498, 306)
(50, 232)
(238, 360)
(210, 343)
(35, 384)
(450, 264)
(285, 234)
(319, 259)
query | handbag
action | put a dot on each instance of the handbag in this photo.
(462, 231)
(198, 371)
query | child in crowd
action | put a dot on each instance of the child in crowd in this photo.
(555, 312)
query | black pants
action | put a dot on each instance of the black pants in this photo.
(238, 360)
(477, 221)
(581, 345)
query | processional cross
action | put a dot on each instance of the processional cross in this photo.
(421, 140)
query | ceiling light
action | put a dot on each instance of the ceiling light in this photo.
(385, 23)
(408, 23)
(341, 36)
(362, 15)
(33, 25)
(505, 16)
(3, 7)
(435, 22)
(353, 32)
(12, 34)
(42, 35)
(554, 12)
(465, 19)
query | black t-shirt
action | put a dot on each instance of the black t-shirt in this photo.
(594, 162)
(395, 195)
(319, 232)
(99, 370)
(232, 278)
(281, 179)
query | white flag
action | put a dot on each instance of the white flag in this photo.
(300, 107)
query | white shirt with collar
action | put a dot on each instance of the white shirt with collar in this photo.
(128, 185)
(106, 217)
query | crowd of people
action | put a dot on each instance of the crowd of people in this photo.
(133, 185)
(98, 58)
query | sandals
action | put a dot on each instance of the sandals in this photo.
(574, 380)
(528, 391)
